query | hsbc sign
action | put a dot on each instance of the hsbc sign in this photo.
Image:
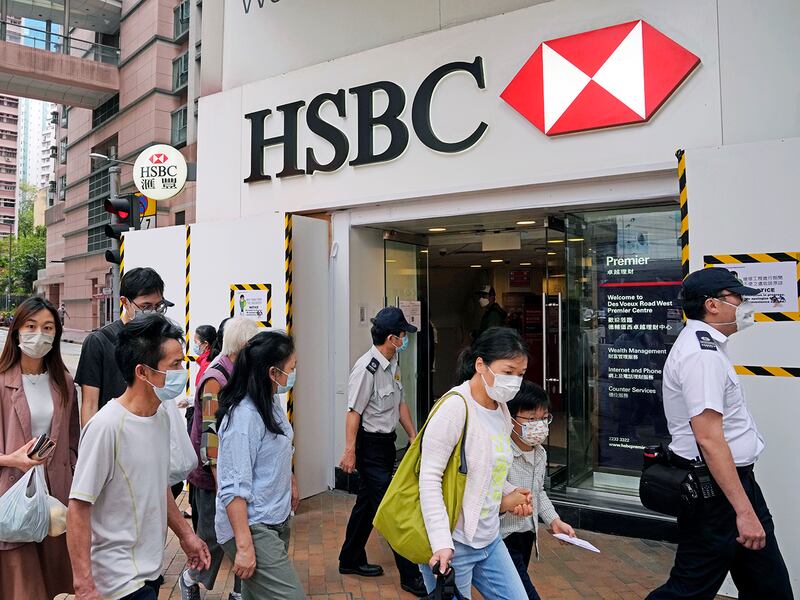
(612, 76)
(160, 172)
(617, 75)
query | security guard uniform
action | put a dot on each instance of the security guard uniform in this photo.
(698, 375)
(375, 391)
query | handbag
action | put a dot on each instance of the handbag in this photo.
(182, 456)
(399, 517)
(25, 509)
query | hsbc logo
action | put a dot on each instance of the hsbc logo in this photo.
(613, 76)
(158, 159)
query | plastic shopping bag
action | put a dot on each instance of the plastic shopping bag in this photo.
(182, 457)
(58, 517)
(25, 509)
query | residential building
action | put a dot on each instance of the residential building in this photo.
(9, 123)
(154, 54)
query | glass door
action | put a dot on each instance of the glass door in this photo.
(406, 286)
(553, 299)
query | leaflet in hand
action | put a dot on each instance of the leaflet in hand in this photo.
(576, 541)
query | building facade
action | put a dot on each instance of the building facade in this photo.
(9, 132)
(423, 150)
(157, 65)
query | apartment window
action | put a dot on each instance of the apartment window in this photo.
(181, 19)
(180, 72)
(99, 184)
(97, 212)
(64, 117)
(105, 111)
(97, 239)
(62, 153)
(198, 50)
(179, 119)
(62, 187)
(180, 217)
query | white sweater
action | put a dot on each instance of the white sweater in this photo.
(440, 437)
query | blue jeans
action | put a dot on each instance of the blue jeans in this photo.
(489, 569)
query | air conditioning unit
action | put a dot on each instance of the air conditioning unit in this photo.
(52, 185)
(54, 117)
(53, 151)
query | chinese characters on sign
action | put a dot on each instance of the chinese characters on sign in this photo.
(776, 280)
(160, 172)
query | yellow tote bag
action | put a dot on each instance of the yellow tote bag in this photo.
(399, 516)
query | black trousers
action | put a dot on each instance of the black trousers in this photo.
(708, 550)
(520, 547)
(375, 456)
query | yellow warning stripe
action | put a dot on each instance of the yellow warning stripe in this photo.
(287, 247)
(684, 204)
(765, 371)
(187, 296)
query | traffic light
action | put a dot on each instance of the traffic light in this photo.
(126, 210)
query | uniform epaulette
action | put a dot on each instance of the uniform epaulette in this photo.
(706, 341)
(373, 365)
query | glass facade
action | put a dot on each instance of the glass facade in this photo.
(623, 276)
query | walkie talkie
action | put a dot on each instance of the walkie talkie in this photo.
(703, 476)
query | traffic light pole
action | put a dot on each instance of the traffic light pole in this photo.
(114, 176)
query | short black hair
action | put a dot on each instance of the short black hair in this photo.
(694, 307)
(140, 343)
(529, 397)
(379, 334)
(495, 343)
(140, 282)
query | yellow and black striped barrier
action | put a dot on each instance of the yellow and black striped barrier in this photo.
(243, 287)
(681, 156)
(713, 260)
(287, 245)
(768, 371)
(187, 297)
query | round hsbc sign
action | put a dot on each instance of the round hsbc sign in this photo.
(160, 172)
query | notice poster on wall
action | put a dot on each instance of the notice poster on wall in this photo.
(252, 301)
(776, 280)
(639, 311)
(412, 311)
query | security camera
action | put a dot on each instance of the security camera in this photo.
(442, 251)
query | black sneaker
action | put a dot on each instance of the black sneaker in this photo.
(415, 586)
(188, 592)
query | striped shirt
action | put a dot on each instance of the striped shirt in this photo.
(527, 471)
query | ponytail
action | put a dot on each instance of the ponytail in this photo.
(495, 343)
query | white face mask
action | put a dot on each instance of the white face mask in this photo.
(505, 387)
(745, 315)
(534, 432)
(35, 345)
(484, 302)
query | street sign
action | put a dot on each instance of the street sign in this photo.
(148, 222)
(160, 172)
(107, 291)
(147, 206)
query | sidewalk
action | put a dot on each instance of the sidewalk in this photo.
(626, 569)
(74, 336)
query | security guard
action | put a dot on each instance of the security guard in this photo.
(707, 416)
(375, 405)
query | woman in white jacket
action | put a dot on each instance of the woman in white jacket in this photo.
(491, 373)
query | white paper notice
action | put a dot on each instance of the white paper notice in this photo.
(577, 541)
(776, 280)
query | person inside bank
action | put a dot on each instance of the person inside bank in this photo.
(375, 406)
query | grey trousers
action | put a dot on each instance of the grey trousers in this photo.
(274, 577)
(206, 506)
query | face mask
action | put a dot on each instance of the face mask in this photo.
(196, 349)
(174, 383)
(745, 315)
(505, 387)
(484, 302)
(534, 432)
(403, 345)
(290, 379)
(35, 345)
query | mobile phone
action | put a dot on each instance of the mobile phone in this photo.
(42, 448)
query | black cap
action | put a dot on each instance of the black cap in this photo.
(711, 281)
(393, 319)
(167, 303)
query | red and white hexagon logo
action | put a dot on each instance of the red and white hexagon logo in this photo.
(612, 76)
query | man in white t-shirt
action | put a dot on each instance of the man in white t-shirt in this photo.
(707, 417)
(120, 502)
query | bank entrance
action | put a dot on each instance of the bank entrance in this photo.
(592, 293)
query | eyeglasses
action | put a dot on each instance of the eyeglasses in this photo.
(160, 308)
(545, 420)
